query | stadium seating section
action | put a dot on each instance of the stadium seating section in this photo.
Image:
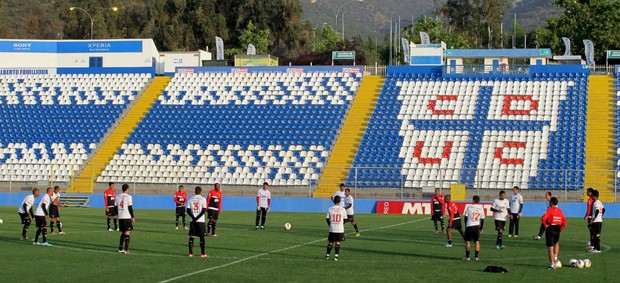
(51, 123)
(244, 128)
(485, 131)
(618, 132)
(240, 128)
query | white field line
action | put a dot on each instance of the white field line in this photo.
(276, 251)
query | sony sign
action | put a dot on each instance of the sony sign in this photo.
(22, 46)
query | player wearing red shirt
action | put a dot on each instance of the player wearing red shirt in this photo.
(437, 204)
(454, 221)
(109, 202)
(554, 222)
(588, 215)
(214, 206)
(180, 198)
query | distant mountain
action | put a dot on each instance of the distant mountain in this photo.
(367, 16)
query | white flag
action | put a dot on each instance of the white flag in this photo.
(219, 46)
(251, 49)
(589, 50)
(566, 46)
(405, 43)
(425, 38)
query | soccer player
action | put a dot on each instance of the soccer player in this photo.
(474, 223)
(40, 218)
(25, 211)
(126, 219)
(438, 209)
(500, 212)
(180, 197)
(596, 223)
(454, 220)
(196, 209)
(348, 205)
(589, 213)
(516, 206)
(263, 202)
(541, 230)
(339, 193)
(214, 206)
(109, 201)
(336, 215)
(55, 212)
(554, 222)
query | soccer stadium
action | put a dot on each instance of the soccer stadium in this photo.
(96, 117)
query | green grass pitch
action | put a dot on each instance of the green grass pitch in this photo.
(391, 248)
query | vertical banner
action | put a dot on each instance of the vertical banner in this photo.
(425, 38)
(219, 46)
(589, 50)
(251, 49)
(405, 49)
(566, 46)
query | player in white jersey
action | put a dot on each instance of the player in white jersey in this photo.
(596, 223)
(263, 202)
(339, 193)
(40, 218)
(348, 205)
(474, 219)
(126, 219)
(196, 209)
(25, 211)
(55, 212)
(516, 206)
(542, 229)
(336, 215)
(500, 212)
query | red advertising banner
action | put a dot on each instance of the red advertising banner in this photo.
(420, 207)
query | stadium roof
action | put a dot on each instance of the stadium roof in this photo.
(486, 53)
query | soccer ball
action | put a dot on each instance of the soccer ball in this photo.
(580, 263)
(558, 264)
(1, 221)
(572, 262)
(587, 263)
(287, 226)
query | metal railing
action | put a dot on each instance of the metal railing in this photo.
(487, 69)
(375, 70)
(365, 181)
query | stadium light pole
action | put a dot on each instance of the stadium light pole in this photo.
(338, 12)
(92, 22)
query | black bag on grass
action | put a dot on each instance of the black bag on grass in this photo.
(495, 269)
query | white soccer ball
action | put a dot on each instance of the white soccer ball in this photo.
(580, 263)
(587, 263)
(558, 264)
(287, 226)
(572, 262)
(1, 221)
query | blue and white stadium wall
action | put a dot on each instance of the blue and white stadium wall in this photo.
(292, 204)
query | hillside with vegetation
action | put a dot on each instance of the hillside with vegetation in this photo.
(304, 32)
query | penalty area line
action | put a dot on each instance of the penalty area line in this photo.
(277, 251)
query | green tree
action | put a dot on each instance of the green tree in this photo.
(260, 38)
(437, 33)
(330, 41)
(478, 21)
(598, 21)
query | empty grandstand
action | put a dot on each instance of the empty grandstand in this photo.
(239, 126)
